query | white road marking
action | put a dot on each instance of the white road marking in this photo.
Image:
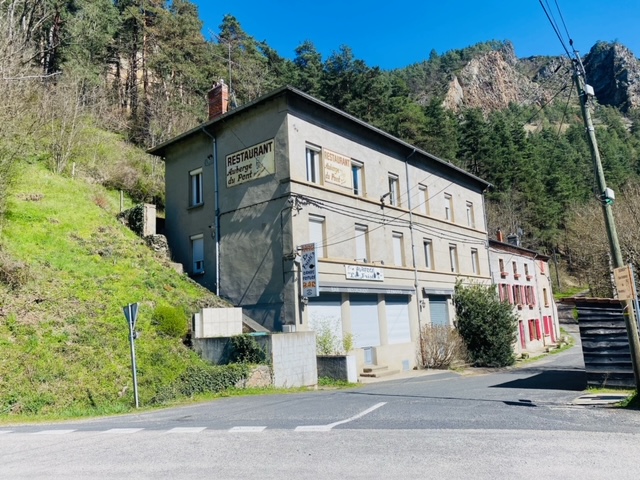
(313, 428)
(53, 432)
(186, 430)
(246, 429)
(326, 428)
(123, 430)
(5, 431)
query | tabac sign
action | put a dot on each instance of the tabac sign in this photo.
(310, 284)
(251, 163)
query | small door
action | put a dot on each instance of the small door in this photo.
(368, 356)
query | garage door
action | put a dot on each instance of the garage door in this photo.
(439, 309)
(325, 313)
(398, 326)
(364, 320)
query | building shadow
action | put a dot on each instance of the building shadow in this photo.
(560, 379)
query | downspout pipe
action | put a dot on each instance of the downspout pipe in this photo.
(214, 148)
(413, 244)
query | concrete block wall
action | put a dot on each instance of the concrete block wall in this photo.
(217, 322)
(294, 359)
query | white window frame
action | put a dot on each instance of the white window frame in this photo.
(357, 177)
(362, 243)
(312, 157)
(316, 221)
(394, 190)
(197, 254)
(398, 249)
(196, 197)
(448, 207)
(475, 261)
(428, 253)
(471, 221)
(453, 257)
(423, 205)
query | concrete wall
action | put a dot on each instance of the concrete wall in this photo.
(217, 322)
(338, 367)
(294, 359)
(292, 355)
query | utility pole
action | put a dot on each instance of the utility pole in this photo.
(584, 91)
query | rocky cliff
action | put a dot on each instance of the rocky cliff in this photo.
(492, 80)
(614, 73)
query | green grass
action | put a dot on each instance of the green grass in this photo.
(63, 336)
(326, 382)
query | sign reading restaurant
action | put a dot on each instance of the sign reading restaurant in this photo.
(337, 169)
(251, 163)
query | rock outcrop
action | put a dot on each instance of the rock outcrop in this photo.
(614, 73)
(493, 80)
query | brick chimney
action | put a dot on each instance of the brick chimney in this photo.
(218, 98)
(499, 236)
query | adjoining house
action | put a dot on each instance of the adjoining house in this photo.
(523, 279)
(288, 186)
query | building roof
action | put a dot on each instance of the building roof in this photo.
(160, 150)
(525, 252)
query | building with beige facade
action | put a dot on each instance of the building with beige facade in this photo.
(288, 186)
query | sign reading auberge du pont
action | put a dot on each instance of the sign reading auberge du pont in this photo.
(251, 163)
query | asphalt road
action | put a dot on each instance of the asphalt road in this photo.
(518, 423)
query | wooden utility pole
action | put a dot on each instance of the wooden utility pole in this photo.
(584, 92)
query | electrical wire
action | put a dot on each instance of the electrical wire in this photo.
(554, 26)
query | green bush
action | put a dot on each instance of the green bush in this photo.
(170, 321)
(487, 325)
(247, 350)
(211, 378)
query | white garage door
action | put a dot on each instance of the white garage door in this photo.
(364, 320)
(325, 313)
(398, 326)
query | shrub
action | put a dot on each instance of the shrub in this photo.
(440, 347)
(487, 325)
(211, 378)
(170, 321)
(247, 350)
(328, 342)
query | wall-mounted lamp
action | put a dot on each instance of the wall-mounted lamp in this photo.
(382, 197)
(363, 260)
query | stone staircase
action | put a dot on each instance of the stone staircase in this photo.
(377, 371)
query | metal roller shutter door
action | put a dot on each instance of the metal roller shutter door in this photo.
(398, 325)
(364, 320)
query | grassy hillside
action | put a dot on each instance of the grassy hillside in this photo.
(67, 268)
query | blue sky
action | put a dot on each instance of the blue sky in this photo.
(396, 34)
